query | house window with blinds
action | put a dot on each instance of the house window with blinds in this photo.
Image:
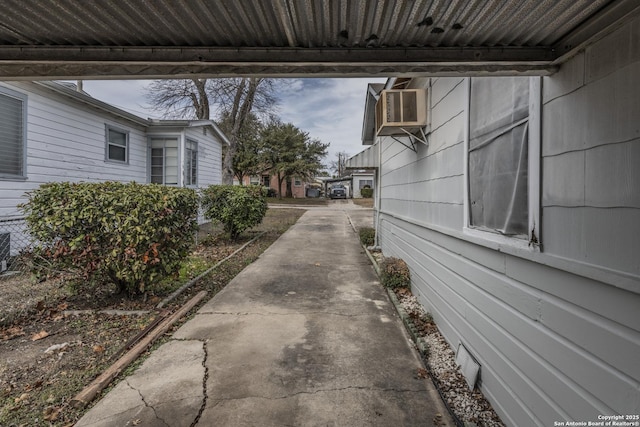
(164, 161)
(13, 119)
(498, 155)
(191, 163)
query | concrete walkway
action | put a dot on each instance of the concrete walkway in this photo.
(304, 336)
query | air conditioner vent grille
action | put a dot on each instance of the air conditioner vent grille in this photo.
(398, 111)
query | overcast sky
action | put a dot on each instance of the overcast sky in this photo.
(330, 110)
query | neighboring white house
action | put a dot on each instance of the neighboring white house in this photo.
(361, 179)
(52, 132)
(518, 213)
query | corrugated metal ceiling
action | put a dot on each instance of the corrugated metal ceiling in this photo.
(532, 33)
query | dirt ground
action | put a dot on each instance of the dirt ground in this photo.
(55, 338)
(365, 203)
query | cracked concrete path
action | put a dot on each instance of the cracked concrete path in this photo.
(304, 336)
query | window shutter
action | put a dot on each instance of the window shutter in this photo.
(11, 136)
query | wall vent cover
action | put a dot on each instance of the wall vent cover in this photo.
(468, 365)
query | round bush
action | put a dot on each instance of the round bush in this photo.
(394, 273)
(236, 207)
(129, 234)
(367, 236)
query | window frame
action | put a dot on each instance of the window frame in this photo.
(366, 182)
(23, 98)
(533, 240)
(164, 163)
(188, 162)
(297, 182)
(125, 132)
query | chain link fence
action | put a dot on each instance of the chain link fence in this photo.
(14, 241)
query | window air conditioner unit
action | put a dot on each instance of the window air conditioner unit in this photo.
(401, 111)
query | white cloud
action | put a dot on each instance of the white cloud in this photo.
(330, 110)
(128, 95)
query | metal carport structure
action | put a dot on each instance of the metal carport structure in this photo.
(65, 39)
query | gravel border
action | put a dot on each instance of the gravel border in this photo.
(468, 408)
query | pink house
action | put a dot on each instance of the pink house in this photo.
(297, 186)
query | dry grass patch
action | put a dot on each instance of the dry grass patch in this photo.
(365, 203)
(308, 201)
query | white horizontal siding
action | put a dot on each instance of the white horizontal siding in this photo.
(440, 190)
(209, 156)
(66, 142)
(428, 184)
(612, 174)
(530, 341)
(600, 112)
(594, 236)
(445, 215)
(591, 152)
(557, 332)
(447, 113)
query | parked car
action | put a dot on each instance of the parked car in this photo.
(338, 192)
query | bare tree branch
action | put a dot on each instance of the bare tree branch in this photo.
(232, 98)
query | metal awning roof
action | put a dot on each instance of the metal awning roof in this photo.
(366, 159)
(47, 39)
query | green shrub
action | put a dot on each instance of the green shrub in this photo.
(367, 193)
(237, 207)
(271, 192)
(367, 236)
(394, 273)
(130, 234)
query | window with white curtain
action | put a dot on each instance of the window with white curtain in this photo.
(498, 155)
(191, 163)
(13, 106)
(164, 161)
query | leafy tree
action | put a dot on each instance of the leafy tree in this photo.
(289, 152)
(238, 97)
(249, 159)
(232, 98)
